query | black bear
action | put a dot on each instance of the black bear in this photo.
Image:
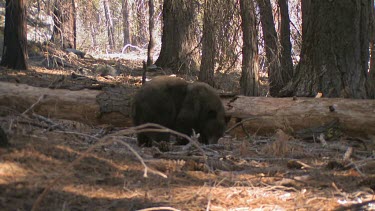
(202, 111)
(158, 101)
(181, 106)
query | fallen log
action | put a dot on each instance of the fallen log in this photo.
(112, 106)
(93, 107)
(356, 117)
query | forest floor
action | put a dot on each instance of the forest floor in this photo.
(56, 164)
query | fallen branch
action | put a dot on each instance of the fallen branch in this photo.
(130, 46)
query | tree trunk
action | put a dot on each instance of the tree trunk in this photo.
(270, 45)
(207, 69)
(141, 33)
(93, 35)
(371, 78)
(15, 35)
(179, 40)
(109, 23)
(305, 9)
(64, 29)
(334, 53)
(264, 114)
(285, 56)
(249, 77)
(151, 43)
(126, 21)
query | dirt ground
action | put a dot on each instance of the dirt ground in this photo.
(56, 164)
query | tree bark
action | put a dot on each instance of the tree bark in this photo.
(334, 55)
(179, 39)
(249, 81)
(286, 46)
(207, 69)
(88, 106)
(355, 117)
(141, 22)
(93, 35)
(305, 9)
(270, 45)
(109, 22)
(64, 29)
(371, 78)
(15, 36)
(126, 22)
(151, 26)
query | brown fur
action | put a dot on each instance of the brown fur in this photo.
(158, 101)
(202, 111)
(178, 105)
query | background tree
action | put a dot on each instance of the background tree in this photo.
(141, 22)
(126, 22)
(335, 47)
(109, 24)
(64, 29)
(228, 36)
(151, 43)
(249, 77)
(206, 73)
(286, 64)
(15, 35)
(371, 78)
(179, 39)
(270, 45)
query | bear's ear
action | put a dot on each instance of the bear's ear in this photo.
(211, 114)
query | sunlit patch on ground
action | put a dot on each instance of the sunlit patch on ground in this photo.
(11, 172)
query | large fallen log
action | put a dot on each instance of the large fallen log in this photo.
(264, 115)
(92, 107)
(355, 116)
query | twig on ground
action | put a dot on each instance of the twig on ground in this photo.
(33, 105)
(348, 154)
(240, 123)
(322, 140)
(48, 121)
(143, 162)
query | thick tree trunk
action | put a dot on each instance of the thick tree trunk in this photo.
(15, 36)
(207, 69)
(249, 77)
(126, 22)
(270, 45)
(286, 46)
(334, 55)
(179, 40)
(151, 26)
(64, 29)
(305, 9)
(109, 22)
(355, 117)
(371, 78)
